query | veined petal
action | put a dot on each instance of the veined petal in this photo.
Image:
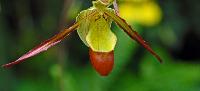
(48, 43)
(133, 34)
(44, 45)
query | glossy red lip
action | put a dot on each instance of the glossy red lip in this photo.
(102, 61)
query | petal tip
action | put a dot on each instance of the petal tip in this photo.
(5, 66)
(9, 65)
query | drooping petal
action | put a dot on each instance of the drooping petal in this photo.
(44, 45)
(133, 34)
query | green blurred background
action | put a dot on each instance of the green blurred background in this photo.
(170, 26)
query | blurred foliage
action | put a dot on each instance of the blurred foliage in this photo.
(170, 26)
(145, 12)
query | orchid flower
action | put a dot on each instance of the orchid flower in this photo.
(94, 28)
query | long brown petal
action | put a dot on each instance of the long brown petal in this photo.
(44, 45)
(133, 34)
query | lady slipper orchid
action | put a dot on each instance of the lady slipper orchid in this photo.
(93, 26)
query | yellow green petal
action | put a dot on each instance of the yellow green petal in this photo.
(100, 38)
(86, 18)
